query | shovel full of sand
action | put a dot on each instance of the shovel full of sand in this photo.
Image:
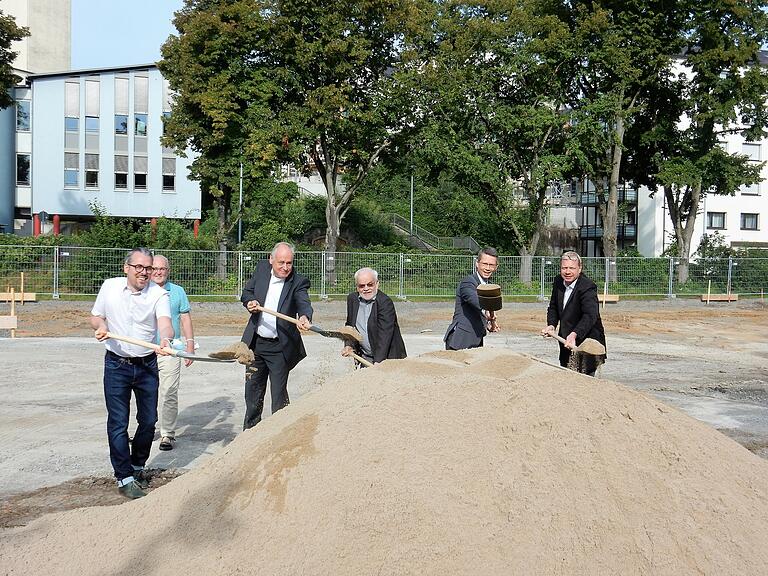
(588, 346)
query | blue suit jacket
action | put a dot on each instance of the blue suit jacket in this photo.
(467, 328)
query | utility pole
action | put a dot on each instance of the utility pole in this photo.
(411, 204)
(240, 208)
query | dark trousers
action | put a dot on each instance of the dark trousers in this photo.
(121, 377)
(269, 362)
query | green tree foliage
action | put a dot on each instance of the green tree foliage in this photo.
(305, 83)
(493, 81)
(9, 33)
(718, 88)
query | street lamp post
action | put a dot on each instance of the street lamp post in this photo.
(411, 205)
(240, 208)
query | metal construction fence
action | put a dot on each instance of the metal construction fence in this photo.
(62, 271)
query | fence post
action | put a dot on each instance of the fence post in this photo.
(607, 273)
(730, 272)
(541, 278)
(56, 255)
(322, 275)
(239, 273)
(671, 276)
(402, 280)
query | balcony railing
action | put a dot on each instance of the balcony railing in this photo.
(622, 231)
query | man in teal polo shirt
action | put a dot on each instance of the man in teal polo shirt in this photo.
(170, 366)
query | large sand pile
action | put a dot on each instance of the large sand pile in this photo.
(483, 462)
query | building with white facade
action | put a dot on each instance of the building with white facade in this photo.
(92, 138)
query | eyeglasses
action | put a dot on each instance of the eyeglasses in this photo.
(160, 269)
(140, 268)
(368, 285)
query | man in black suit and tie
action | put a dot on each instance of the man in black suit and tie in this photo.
(276, 343)
(373, 314)
(470, 322)
(575, 307)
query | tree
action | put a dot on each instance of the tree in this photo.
(622, 50)
(494, 85)
(9, 33)
(718, 88)
(306, 83)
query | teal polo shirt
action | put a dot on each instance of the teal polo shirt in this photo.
(179, 306)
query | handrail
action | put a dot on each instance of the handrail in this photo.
(439, 242)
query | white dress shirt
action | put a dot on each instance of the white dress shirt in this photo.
(267, 327)
(130, 313)
(568, 291)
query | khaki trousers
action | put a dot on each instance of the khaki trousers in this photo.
(168, 399)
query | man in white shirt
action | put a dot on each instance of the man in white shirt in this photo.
(131, 306)
(276, 343)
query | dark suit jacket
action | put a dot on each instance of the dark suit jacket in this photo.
(581, 313)
(383, 329)
(467, 328)
(294, 301)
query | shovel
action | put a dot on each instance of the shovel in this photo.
(348, 335)
(171, 351)
(589, 346)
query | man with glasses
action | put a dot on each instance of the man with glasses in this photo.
(470, 322)
(170, 366)
(575, 308)
(276, 343)
(372, 313)
(131, 305)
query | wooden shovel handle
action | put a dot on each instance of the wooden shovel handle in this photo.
(560, 339)
(137, 342)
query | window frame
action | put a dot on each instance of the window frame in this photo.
(710, 221)
(89, 120)
(29, 169)
(28, 104)
(136, 120)
(125, 130)
(743, 222)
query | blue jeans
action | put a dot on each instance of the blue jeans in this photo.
(121, 377)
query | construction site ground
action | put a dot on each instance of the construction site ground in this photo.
(710, 361)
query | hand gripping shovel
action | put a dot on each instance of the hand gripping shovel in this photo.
(588, 346)
(171, 351)
(349, 335)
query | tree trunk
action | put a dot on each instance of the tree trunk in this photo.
(536, 199)
(333, 223)
(683, 225)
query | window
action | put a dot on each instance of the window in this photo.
(139, 172)
(71, 169)
(91, 170)
(141, 124)
(749, 221)
(169, 182)
(169, 174)
(22, 169)
(140, 181)
(71, 124)
(121, 172)
(166, 116)
(23, 108)
(716, 220)
(751, 190)
(92, 124)
(752, 150)
(121, 124)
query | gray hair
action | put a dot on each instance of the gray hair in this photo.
(288, 245)
(571, 255)
(144, 251)
(488, 251)
(367, 271)
(167, 262)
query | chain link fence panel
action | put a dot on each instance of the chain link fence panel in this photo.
(80, 271)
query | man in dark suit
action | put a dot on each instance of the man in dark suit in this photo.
(470, 322)
(276, 343)
(373, 314)
(574, 306)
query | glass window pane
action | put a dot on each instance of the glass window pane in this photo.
(121, 124)
(91, 123)
(91, 179)
(71, 124)
(169, 182)
(121, 180)
(140, 181)
(22, 169)
(752, 150)
(22, 115)
(70, 178)
(141, 124)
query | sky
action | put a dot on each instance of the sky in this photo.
(107, 33)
